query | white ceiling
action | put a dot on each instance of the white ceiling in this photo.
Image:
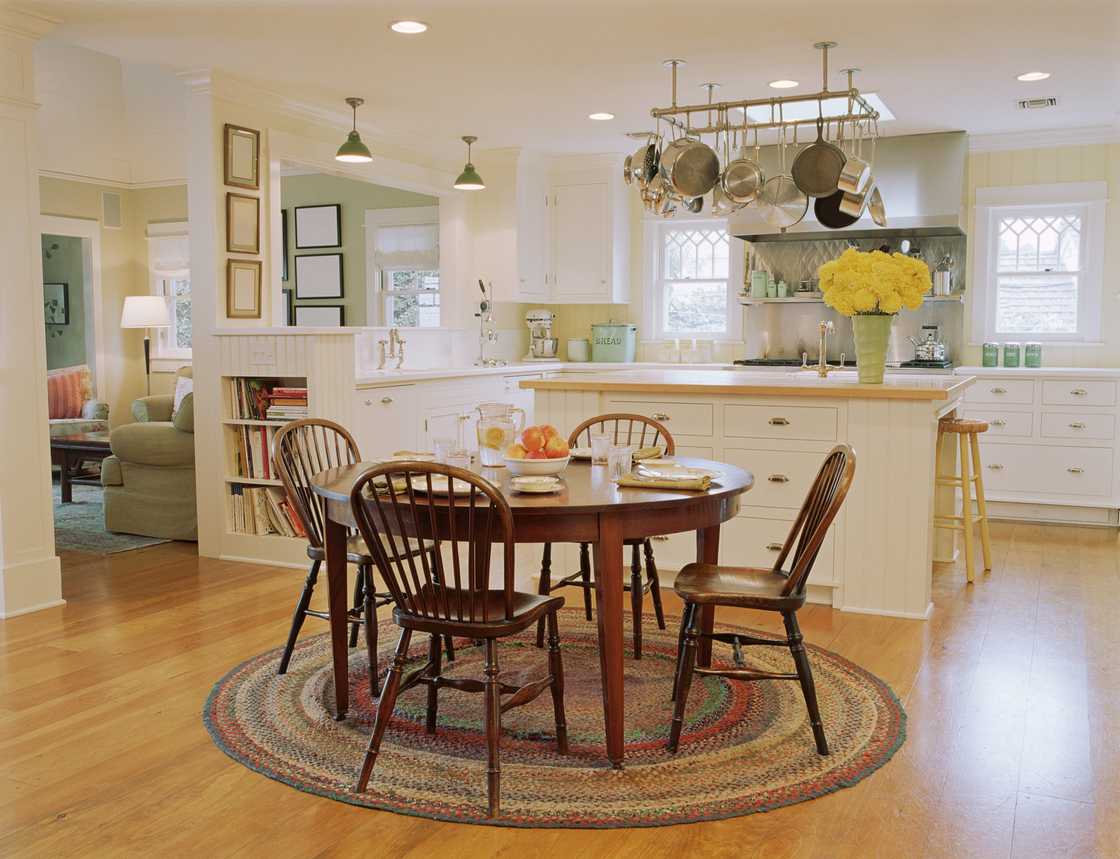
(527, 72)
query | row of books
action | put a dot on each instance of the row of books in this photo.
(287, 404)
(266, 399)
(254, 452)
(262, 510)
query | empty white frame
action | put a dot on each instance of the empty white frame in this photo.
(319, 276)
(319, 316)
(243, 224)
(318, 227)
(243, 289)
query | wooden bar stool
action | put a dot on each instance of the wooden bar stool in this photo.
(968, 432)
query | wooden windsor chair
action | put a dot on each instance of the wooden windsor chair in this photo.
(398, 501)
(625, 429)
(301, 449)
(767, 589)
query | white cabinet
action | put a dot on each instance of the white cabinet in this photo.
(385, 420)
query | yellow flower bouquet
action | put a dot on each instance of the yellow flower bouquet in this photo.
(871, 287)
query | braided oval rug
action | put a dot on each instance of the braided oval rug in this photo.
(746, 747)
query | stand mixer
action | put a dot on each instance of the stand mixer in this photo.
(542, 344)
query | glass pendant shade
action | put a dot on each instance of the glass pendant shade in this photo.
(469, 180)
(353, 151)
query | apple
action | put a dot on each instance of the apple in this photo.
(515, 451)
(533, 438)
(556, 448)
(536, 454)
(550, 432)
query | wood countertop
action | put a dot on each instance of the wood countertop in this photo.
(799, 384)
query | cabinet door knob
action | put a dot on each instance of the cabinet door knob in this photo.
(779, 422)
(1075, 469)
(774, 547)
(369, 402)
(995, 466)
(660, 416)
(1077, 425)
(386, 400)
(999, 390)
(778, 478)
(1079, 392)
(999, 422)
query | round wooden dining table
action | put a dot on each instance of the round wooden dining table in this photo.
(590, 508)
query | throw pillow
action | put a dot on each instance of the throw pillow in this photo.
(65, 393)
(183, 386)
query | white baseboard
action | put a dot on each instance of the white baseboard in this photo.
(31, 609)
(908, 615)
(30, 586)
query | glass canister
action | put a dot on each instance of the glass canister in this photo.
(1011, 354)
(1032, 355)
(498, 425)
(990, 355)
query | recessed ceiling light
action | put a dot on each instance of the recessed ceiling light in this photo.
(783, 84)
(410, 28)
(1033, 76)
(600, 117)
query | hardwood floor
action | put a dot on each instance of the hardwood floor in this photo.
(1012, 690)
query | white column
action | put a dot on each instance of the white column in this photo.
(30, 576)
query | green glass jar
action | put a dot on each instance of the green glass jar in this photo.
(991, 355)
(1011, 353)
(1032, 355)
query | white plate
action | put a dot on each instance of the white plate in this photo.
(580, 453)
(439, 485)
(535, 485)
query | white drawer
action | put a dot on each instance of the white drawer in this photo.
(697, 450)
(1047, 469)
(1078, 392)
(751, 542)
(1002, 423)
(803, 423)
(781, 477)
(1017, 391)
(1063, 425)
(679, 418)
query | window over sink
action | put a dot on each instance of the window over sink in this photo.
(1038, 262)
(403, 262)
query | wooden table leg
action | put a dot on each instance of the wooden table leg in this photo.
(608, 604)
(707, 552)
(64, 475)
(334, 538)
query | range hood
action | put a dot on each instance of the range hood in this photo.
(921, 178)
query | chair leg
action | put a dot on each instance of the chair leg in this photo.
(369, 614)
(684, 675)
(493, 728)
(356, 603)
(966, 509)
(544, 588)
(805, 675)
(556, 669)
(585, 575)
(680, 649)
(434, 650)
(654, 583)
(981, 504)
(300, 614)
(636, 598)
(385, 708)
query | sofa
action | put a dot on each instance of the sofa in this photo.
(149, 479)
(71, 407)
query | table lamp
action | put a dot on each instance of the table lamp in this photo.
(147, 312)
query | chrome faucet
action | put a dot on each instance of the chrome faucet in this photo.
(823, 368)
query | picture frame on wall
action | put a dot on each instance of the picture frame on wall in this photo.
(284, 244)
(320, 316)
(289, 308)
(241, 151)
(318, 226)
(318, 276)
(243, 224)
(56, 303)
(243, 289)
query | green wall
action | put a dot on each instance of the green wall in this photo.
(66, 344)
(355, 198)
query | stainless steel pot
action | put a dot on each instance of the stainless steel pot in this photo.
(690, 167)
(742, 178)
(856, 172)
(854, 203)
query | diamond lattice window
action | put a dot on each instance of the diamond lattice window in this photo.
(695, 267)
(1038, 270)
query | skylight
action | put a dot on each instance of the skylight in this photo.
(808, 109)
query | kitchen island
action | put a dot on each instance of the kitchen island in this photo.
(878, 558)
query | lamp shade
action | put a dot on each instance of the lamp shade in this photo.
(353, 150)
(145, 311)
(469, 180)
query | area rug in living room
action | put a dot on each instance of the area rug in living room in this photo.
(79, 525)
(746, 747)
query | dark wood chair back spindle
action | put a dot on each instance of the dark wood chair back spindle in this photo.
(624, 429)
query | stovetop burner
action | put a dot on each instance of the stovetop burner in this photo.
(915, 364)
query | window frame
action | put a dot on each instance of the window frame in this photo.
(1089, 199)
(387, 293)
(376, 293)
(158, 285)
(654, 230)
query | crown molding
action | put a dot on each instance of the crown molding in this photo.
(1088, 135)
(111, 183)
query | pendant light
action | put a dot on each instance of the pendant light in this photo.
(469, 180)
(353, 150)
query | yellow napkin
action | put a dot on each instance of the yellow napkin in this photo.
(700, 483)
(653, 452)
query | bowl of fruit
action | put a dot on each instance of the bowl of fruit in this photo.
(538, 450)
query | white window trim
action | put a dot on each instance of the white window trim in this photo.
(406, 216)
(651, 264)
(994, 202)
(164, 357)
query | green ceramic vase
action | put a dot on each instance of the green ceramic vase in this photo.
(872, 334)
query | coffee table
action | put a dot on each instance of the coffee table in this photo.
(70, 452)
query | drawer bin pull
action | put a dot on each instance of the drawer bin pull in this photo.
(999, 422)
(386, 400)
(999, 390)
(660, 416)
(1079, 392)
(778, 478)
(995, 466)
(779, 422)
(660, 538)
(1074, 469)
(1077, 425)
(774, 547)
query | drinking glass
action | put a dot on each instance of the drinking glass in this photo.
(460, 459)
(600, 447)
(443, 448)
(619, 460)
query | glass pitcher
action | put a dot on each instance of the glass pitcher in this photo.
(498, 425)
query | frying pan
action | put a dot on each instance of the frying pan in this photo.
(829, 213)
(816, 169)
